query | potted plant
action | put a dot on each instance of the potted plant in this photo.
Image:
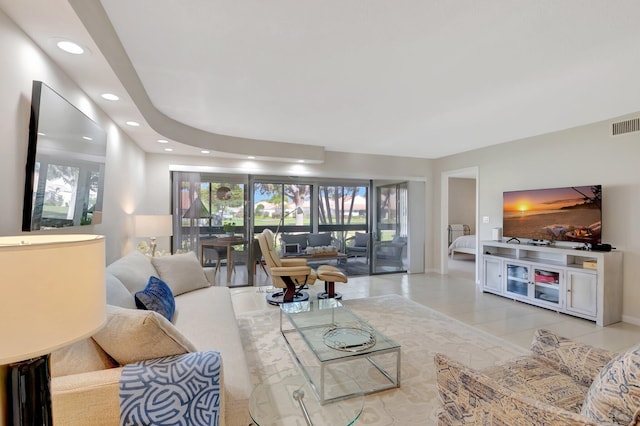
(229, 227)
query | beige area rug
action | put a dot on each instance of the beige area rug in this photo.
(419, 330)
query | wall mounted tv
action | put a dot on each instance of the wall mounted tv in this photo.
(572, 213)
(66, 156)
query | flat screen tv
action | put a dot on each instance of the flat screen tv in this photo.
(572, 213)
(64, 180)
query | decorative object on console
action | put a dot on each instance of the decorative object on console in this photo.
(153, 226)
(38, 274)
(64, 181)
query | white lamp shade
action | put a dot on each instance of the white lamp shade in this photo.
(160, 225)
(53, 293)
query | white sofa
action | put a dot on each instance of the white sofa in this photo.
(85, 383)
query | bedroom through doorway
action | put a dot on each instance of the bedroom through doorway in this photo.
(459, 219)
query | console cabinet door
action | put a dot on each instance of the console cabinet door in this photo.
(492, 276)
(581, 293)
(518, 279)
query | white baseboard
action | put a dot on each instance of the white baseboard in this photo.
(631, 320)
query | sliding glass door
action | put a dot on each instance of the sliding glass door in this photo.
(389, 252)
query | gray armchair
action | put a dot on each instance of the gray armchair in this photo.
(390, 253)
(358, 245)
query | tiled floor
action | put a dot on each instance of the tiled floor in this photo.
(456, 295)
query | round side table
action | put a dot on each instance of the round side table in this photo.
(286, 398)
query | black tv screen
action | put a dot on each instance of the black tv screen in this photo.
(572, 213)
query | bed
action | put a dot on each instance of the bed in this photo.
(461, 240)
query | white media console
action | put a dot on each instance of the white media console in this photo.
(586, 284)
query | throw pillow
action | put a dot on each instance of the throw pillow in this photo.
(319, 240)
(133, 270)
(182, 272)
(132, 335)
(614, 395)
(80, 357)
(117, 293)
(361, 240)
(157, 297)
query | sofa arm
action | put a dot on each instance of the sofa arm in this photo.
(470, 397)
(580, 361)
(87, 398)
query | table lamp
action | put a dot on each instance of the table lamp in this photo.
(53, 294)
(153, 226)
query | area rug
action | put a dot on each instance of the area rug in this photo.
(420, 331)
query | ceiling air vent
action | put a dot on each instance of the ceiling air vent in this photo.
(626, 126)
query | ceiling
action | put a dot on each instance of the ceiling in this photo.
(415, 78)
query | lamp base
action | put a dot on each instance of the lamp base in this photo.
(29, 398)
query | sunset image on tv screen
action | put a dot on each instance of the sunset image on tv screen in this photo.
(558, 214)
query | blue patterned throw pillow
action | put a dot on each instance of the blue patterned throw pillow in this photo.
(157, 296)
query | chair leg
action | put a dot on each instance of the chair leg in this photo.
(329, 291)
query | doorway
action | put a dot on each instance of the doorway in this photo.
(459, 200)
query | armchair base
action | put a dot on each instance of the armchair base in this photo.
(278, 297)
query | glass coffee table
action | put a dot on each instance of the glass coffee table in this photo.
(328, 339)
(286, 398)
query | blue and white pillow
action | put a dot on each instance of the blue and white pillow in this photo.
(181, 390)
(157, 296)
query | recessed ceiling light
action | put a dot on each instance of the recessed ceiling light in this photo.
(204, 151)
(70, 47)
(87, 138)
(251, 157)
(133, 123)
(168, 149)
(163, 141)
(110, 96)
(300, 161)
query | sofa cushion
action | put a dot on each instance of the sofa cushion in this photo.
(80, 357)
(156, 296)
(132, 335)
(295, 239)
(536, 379)
(319, 240)
(133, 270)
(182, 272)
(614, 395)
(207, 319)
(117, 293)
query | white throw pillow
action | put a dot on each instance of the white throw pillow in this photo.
(117, 293)
(132, 335)
(80, 357)
(181, 272)
(133, 270)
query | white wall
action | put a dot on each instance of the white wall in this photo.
(23, 62)
(585, 155)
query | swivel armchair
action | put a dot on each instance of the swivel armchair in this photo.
(289, 274)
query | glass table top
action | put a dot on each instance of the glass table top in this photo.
(333, 331)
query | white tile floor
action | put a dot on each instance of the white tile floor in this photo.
(456, 295)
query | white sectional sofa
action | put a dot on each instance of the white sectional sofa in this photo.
(85, 383)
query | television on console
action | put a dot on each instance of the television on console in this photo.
(572, 214)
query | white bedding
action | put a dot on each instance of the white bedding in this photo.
(463, 244)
